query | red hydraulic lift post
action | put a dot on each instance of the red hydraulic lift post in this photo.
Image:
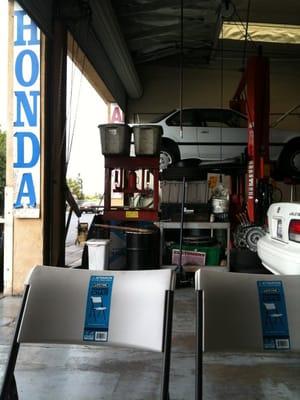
(255, 83)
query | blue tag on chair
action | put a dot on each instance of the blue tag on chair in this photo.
(98, 309)
(273, 315)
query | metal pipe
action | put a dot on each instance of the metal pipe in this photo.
(181, 222)
(124, 228)
(284, 116)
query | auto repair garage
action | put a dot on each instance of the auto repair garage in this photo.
(188, 280)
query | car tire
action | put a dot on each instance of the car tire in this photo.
(169, 154)
(289, 159)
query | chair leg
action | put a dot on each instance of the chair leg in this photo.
(167, 345)
(199, 346)
(9, 387)
(13, 391)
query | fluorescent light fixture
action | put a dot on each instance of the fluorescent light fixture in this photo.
(260, 32)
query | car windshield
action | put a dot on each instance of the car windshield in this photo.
(161, 117)
(190, 117)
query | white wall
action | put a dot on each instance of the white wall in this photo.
(203, 87)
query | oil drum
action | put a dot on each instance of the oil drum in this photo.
(142, 250)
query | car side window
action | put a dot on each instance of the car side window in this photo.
(189, 118)
(214, 118)
(235, 119)
(223, 118)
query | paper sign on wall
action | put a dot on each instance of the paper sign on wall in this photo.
(96, 325)
(273, 315)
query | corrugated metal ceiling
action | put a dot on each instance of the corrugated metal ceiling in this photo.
(152, 28)
(149, 31)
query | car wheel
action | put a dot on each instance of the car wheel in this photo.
(289, 160)
(169, 154)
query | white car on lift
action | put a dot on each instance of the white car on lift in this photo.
(279, 249)
(214, 134)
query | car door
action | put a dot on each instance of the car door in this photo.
(208, 136)
(188, 141)
(222, 134)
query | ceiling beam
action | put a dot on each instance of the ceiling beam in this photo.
(107, 29)
(127, 10)
(157, 54)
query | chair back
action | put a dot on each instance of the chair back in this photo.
(57, 307)
(249, 312)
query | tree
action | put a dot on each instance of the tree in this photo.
(2, 168)
(75, 186)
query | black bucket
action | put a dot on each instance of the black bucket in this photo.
(142, 250)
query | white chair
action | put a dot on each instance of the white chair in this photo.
(57, 305)
(98, 308)
(239, 312)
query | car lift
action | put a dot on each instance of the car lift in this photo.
(252, 97)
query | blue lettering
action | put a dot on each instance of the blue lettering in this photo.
(20, 30)
(26, 183)
(20, 136)
(30, 112)
(34, 68)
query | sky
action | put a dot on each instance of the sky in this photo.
(88, 110)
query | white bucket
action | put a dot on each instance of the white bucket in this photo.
(98, 254)
(220, 205)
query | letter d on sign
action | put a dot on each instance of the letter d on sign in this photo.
(35, 153)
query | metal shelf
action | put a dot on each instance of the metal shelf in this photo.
(162, 225)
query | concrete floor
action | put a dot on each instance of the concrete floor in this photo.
(73, 372)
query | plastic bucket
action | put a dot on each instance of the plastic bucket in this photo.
(115, 139)
(147, 139)
(98, 254)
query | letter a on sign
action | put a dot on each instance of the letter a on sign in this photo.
(117, 115)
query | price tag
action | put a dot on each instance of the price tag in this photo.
(98, 309)
(273, 313)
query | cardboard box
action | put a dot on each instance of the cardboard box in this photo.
(171, 192)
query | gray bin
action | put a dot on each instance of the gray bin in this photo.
(147, 139)
(115, 139)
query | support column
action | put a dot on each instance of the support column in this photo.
(55, 188)
(258, 103)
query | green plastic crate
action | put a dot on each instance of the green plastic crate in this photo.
(213, 253)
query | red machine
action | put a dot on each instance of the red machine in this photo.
(252, 97)
(131, 188)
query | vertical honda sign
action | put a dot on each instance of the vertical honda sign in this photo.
(26, 117)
